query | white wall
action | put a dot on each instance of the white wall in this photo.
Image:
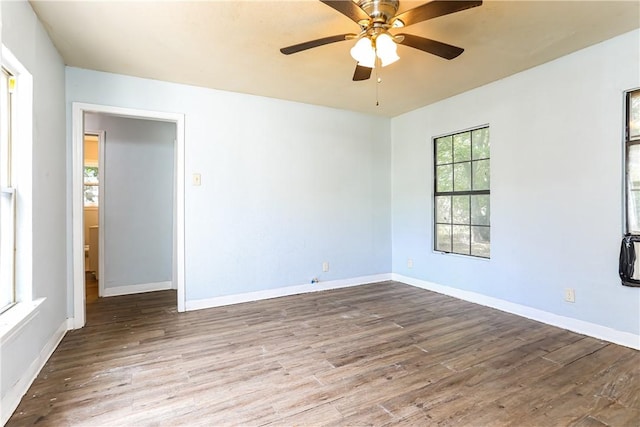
(90, 219)
(285, 186)
(138, 199)
(45, 197)
(556, 186)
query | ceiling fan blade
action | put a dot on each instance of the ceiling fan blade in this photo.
(437, 48)
(361, 73)
(315, 43)
(433, 10)
(349, 9)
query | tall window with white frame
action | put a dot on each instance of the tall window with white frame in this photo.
(8, 193)
(462, 193)
(632, 146)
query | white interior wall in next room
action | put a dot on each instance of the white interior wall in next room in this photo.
(556, 187)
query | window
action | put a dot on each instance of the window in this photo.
(8, 193)
(632, 145)
(461, 193)
(91, 186)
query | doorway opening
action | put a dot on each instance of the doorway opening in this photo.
(79, 244)
(93, 145)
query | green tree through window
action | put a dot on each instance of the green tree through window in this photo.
(91, 186)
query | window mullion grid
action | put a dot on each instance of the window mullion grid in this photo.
(472, 187)
(453, 186)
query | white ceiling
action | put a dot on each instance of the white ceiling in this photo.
(234, 46)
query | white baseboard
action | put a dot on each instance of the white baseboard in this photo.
(285, 291)
(626, 339)
(137, 289)
(71, 324)
(11, 399)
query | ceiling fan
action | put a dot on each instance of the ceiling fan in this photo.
(375, 43)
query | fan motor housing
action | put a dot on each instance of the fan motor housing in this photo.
(380, 10)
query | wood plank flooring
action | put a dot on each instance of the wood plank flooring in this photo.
(380, 354)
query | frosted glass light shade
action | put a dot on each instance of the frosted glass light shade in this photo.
(363, 52)
(386, 49)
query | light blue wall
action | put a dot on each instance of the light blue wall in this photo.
(137, 199)
(44, 195)
(556, 186)
(285, 186)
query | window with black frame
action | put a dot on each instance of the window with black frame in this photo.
(628, 267)
(462, 193)
(632, 145)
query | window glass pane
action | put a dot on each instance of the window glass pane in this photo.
(461, 210)
(91, 186)
(443, 209)
(444, 178)
(443, 238)
(91, 195)
(4, 129)
(481, 241)
(7, 230)
(461, 239)
(633, 185)
(481, 174)
(634, 115)
(634, 211)
(480, 138)
(444, 153)
(462, 147)
(462, 176)
(90, 175)
(480, 212)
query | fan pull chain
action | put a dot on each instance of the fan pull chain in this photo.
(378, 80)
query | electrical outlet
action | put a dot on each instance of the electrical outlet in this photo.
(196, 179)
(570, 295)
(325, 266)
(410, 263)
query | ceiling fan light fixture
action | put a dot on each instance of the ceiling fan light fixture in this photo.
(364, 53)
(386, 49)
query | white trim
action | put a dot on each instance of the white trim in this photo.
(285, 291)
(179, 217)
(137, 288)
(17, 317)
(77, 126)
(22, 174)
(77, 214)
(101, 190)
(626, 339)
(12, 397)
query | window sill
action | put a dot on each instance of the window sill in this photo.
(15, 318)
(473, 257)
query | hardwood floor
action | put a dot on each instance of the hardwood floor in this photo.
(91, 288)
(381, 354)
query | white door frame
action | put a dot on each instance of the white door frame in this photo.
(77, 125)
